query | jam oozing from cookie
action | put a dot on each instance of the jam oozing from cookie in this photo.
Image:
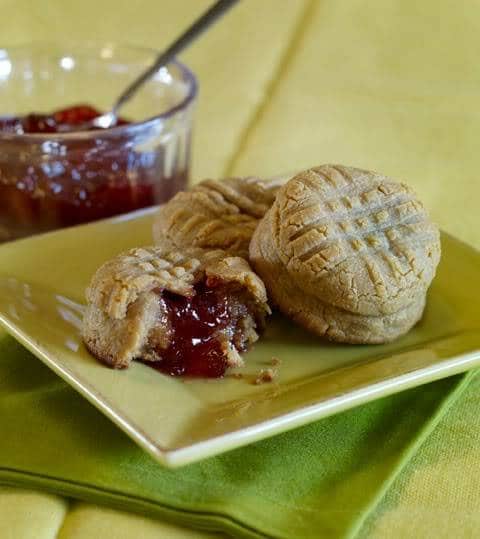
(63, 120)
(202, 326)
(71, 180)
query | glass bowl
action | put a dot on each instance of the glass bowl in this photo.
(53, 180)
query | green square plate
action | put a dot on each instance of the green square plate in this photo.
(42, 282)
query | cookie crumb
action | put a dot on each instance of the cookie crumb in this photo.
(275, 361)
(265, 376)
(237, 375)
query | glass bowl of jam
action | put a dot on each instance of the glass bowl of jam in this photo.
(53, 171)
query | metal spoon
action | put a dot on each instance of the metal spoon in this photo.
(218, 9)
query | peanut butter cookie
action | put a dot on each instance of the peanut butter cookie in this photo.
(216, 214)
(348, 253)
(190, 311)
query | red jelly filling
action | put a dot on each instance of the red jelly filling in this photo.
(53, 183)
(200, 327)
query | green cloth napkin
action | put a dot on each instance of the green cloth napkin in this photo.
(321, 480)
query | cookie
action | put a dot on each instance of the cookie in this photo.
(139, 303)
(216, 214)
(348, 253)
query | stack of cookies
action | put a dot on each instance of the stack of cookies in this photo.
(348, 254)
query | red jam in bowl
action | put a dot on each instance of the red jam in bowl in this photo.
(70, 119)
(54, 181)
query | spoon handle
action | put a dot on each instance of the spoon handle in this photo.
(197, 28)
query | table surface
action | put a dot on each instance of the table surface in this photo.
(390, 85)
